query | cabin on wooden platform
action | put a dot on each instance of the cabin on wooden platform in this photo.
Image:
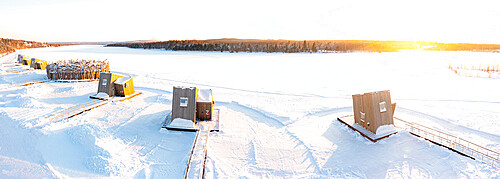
(191, 109)
(112, 84)
(373, 115)
(41, 65)
(33, 62)
(374, 109)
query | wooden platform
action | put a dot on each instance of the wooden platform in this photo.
(349, 121)
(195, 167)
(213, 124)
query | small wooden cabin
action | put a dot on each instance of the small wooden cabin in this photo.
(41, 65)
(111, 84)
(106, 83)
(192, 103)
(124, 86)
(26, 61)
(372, 110)
(20, 58)
(33, 62)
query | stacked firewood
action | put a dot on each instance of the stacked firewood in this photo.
(77, 69)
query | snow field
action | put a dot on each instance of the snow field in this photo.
(278, 116)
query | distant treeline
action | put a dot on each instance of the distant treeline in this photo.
(313, 46)
(11, 45)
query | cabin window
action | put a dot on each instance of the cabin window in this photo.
(104, 82)
(184, 102)
(362, 114)
(382, 106)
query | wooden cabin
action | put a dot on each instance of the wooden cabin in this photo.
(106, 83)
(204, 104)
(124, 86)
(192, 103)
(27, 61)
(33, 62)
(112, 84)
(20, 58)
(41, 65)
(372, 110)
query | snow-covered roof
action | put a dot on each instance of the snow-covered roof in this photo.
(122, 80)
(204, 95)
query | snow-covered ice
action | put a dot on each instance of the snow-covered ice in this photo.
(385, 129)
(277, 111)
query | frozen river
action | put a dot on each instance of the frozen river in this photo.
(278, 114)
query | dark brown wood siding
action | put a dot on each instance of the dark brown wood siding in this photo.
(204, 110)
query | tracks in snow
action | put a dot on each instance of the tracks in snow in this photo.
(71, 111)
(273, 144)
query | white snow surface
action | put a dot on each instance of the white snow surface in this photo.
(101, 95)
(277, 111)
(385, 129)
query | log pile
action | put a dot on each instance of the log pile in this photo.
(77, 69)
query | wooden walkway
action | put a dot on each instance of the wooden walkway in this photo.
(33, 82)
(24, 83)
(79, 109)
(456, 144)
(196, 163)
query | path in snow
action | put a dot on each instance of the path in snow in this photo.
(257, 145)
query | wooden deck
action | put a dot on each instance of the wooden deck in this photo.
(349, 121)
(195, 167)
(213, 124)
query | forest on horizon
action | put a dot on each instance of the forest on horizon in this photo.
(283, 46)
(312, 46)
(11, 45)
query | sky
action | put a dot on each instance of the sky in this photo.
(475, 21)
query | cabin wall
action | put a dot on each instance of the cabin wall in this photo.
(33, 62)
(119, 91)
(369, 104)
(104, 85)
(26, 62)
(125, 89)
(204, 110)
(129, 87)
(186, 112)
(41, 65)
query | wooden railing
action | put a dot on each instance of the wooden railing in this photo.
(453, 143)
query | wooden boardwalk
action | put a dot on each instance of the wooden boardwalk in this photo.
(79, 109)
(196, 163)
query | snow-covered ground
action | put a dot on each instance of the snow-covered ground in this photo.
(278, 116)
